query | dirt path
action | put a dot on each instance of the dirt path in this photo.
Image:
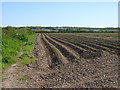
(88, 73)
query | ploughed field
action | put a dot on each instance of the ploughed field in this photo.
(64, 48)
(71, 60)
(82, 60)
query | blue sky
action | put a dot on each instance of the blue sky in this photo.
(82, 14)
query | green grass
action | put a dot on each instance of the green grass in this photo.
(29, 46)
(25, 59)
(15, 42)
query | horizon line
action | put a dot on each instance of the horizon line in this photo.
(62, 26)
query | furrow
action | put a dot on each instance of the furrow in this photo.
(84, 53)
(98, 46)
(84, 46)
(68, 44)
(56, 56)
(66, 52)
(110, 49)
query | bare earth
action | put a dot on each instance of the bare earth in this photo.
(87, 73)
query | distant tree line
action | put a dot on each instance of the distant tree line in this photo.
(76, 31)
(39, 29)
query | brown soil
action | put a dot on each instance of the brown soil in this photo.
(87, 73)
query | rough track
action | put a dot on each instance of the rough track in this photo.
(88, 73)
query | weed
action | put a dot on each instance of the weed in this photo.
(22, 78)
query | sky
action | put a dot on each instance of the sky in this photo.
(79, 14)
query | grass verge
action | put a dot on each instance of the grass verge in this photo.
(17, 46)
